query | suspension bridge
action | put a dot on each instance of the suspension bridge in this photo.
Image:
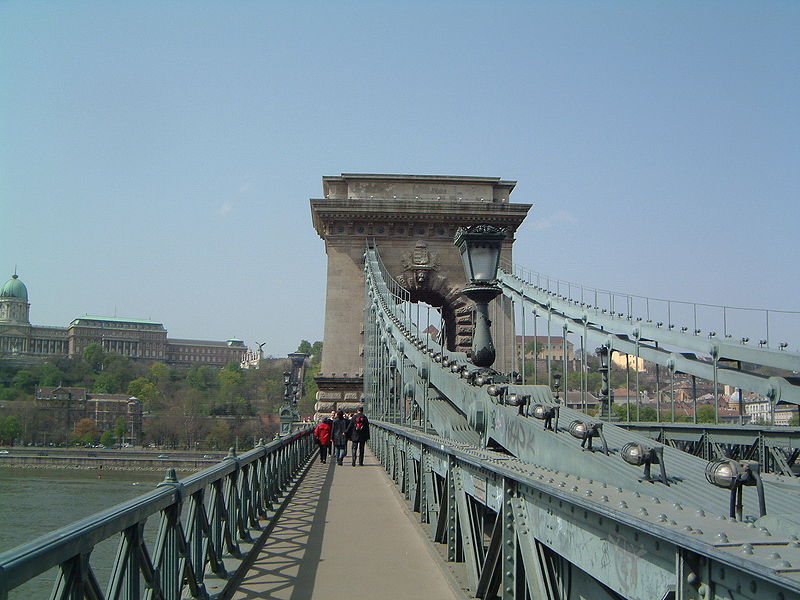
(492, 482)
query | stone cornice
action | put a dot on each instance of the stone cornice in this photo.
(438, 179)
(327, 212)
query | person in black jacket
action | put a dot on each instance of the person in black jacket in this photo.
(339, 437)
(358, 432)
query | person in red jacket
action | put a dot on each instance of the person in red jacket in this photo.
(322, 433)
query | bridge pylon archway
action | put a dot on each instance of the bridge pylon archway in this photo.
(412, 220)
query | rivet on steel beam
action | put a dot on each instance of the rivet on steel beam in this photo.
(637, 495)
(656, 500)
(677, 506)
(574, 488)
(604, 498)
(662, 517)
(698, 532)
(774, 555)
(623, 504)
(701, 513)
(722, 537)
(643, 512)
(747, 549)
(687, 528)
(764, 530)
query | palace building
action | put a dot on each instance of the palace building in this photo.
(135, 338)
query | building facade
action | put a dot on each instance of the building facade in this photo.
(551, 347)
(65, 406)
(135, 338)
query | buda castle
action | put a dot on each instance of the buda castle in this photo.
(21, 342)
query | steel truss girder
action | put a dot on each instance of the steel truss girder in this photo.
(552, 541)
(525, 438)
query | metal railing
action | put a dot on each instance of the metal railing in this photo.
(762, 327)
(204, 522)
(521, 529)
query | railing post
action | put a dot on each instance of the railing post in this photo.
(452, 516)
(423, 484)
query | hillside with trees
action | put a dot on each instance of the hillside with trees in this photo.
(200, 407)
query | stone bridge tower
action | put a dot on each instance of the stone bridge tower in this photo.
(412, 220)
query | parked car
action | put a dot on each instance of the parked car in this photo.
(163, 456)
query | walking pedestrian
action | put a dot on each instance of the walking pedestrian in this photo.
(322, 433)
(358, 432)
(339, 436)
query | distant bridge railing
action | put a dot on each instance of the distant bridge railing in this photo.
(207, 524)
(770, 328)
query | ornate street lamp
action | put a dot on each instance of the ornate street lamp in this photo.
(292, 390)
(605, 391)
(557, 387)
(480, 247)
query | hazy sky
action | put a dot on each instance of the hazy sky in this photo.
(157, 158)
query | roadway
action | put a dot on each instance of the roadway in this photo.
(348, 534)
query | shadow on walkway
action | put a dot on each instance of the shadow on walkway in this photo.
(347, 534)
(287, 565)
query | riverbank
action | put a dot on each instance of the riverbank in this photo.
(106, 460)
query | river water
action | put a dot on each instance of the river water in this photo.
(34, 502)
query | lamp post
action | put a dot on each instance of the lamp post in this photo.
(286, 412)
(133, 402)
(605, 392)
(480, 247)
(292, 390)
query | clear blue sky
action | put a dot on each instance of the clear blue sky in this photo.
(157, 158)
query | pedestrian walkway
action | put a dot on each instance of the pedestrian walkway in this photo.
(346, 535)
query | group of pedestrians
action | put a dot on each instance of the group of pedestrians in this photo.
(333, 433)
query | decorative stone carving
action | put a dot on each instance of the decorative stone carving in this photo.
(419, 266)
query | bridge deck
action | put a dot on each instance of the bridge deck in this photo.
(346, 534)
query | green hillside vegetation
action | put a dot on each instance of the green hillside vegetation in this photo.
(180, 404)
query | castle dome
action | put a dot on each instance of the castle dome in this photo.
(14, 288)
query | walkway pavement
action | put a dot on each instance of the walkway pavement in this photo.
(347, 535)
